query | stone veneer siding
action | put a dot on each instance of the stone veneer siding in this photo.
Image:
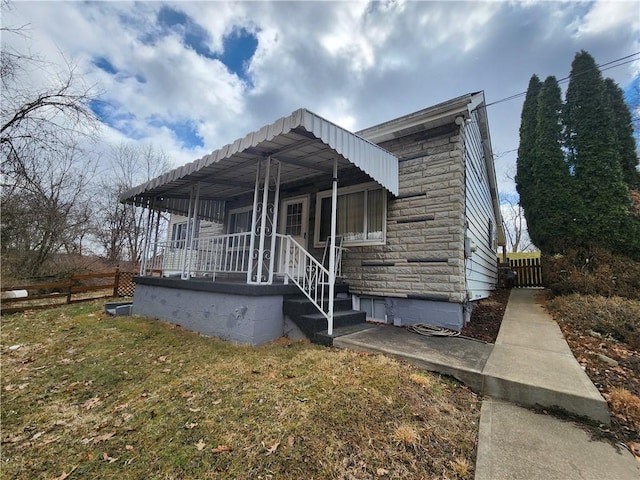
(424, 253)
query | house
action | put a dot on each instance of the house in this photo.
(400, 221)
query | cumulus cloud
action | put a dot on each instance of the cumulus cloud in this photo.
(163, 72)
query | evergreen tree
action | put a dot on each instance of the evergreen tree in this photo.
(623, 129)
(552, 226)
(601, 213)
(526, 150)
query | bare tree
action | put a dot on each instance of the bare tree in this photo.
(44, 209)
(119, 229)
(515, 227)
(514, 223)
(45, 172)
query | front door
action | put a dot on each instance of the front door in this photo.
(294, 221)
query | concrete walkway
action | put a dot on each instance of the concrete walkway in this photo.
(530, 364)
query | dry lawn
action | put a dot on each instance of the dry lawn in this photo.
(88, 396)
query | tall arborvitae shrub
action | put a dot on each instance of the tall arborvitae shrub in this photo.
(602, 196)
(553, 228)
(526, 153)
(623, 130)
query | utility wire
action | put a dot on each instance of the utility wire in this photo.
(566, 79)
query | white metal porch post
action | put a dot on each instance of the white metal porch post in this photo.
(332, 254)
(145, 248)
(274, 226)
(254, 218)
(191, 228)
(185, 274)
(155, 240)
(263, 219)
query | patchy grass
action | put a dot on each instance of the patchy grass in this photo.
(88, 396)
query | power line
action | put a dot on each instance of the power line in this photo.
(566, 79)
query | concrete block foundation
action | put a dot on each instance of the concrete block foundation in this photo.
(244, 318)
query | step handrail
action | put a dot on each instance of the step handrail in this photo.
(307, 273)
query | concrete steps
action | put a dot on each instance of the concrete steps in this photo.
(313, 324)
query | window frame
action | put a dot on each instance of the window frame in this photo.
(180, 227)
(236, 211)
(362, 187)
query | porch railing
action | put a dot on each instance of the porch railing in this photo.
(307, 273)
(204, 256)
(207, 256)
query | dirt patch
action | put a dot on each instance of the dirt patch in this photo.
(486, 317)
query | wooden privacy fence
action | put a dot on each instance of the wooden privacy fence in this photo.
(78, 288)
(529, 271)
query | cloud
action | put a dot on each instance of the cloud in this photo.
(194, 76)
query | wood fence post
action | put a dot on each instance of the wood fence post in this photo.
(70, 288)
(116, 282)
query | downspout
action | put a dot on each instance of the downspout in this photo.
(332, 255)
(461, 121)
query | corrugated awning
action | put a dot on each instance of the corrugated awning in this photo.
(303, 142)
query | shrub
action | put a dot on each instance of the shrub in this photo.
(591, 272)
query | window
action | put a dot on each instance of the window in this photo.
(361, 215)
(179, 233)
(374, 308)
(240, 220)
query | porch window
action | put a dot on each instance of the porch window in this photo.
(179, 233)
(361, 215)
(240, 220)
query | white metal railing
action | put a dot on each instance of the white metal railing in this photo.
(207, 256)
(204, 256)
(299, 266)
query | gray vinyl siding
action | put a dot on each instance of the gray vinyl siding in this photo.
(424, 255)
(481, 268)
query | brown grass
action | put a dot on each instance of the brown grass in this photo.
(625, 403)
(89, 396)
(616, 317)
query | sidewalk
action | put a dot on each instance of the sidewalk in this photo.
(530, 364)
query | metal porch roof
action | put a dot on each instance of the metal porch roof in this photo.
(303, 142)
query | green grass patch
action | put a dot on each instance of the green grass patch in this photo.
(90, 396)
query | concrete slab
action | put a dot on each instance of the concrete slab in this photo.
(531, 363)
(458, 357)
(531, 377)
(517, 444)
(542, 336)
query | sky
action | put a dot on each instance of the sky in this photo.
(191, 77)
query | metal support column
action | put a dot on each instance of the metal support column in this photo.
(185, 273)
(191, 229)
(332, 254)
(145, 248)
(274, 227)
(263, 220)
(254, 218)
